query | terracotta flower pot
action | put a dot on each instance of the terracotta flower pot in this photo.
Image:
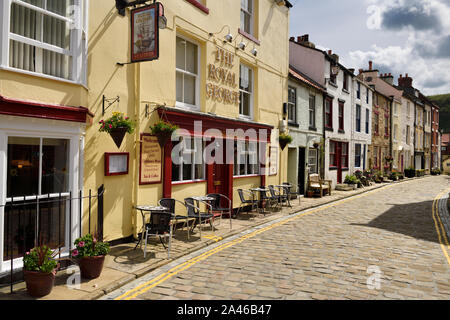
(117, 134)
(39, 284)
(91, 267)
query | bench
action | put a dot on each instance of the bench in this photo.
(317, 184)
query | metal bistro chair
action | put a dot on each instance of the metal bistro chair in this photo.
(286, 195)
(216, 209)
(170, 203)
(275, 197)
(293, 193)
(194, 212)
(160, 226)
(269, 201)
(245, 202)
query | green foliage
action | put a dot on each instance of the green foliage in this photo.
(351, 179)
(410, 172)
(89, 246)
(435, 171)
(443, 100)
(163, 126)
(284, 137)
(41, 259)
(118, 120)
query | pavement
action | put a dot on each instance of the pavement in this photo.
(125, 267)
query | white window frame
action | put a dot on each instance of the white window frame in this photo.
(20, 127)
(292, 105)
(315, 164)
(251, 93)
(312, 109)
(192, 152)
(251, 17)
(246, 153)
(183, 105)
(78, 40)
(360, 155)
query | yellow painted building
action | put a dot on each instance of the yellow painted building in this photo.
(59, 77)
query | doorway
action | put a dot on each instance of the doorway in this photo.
(301, 169)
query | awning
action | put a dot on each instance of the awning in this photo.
(20, 108)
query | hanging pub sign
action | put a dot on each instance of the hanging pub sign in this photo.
(145, 33)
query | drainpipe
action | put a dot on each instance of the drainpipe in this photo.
(391, 140)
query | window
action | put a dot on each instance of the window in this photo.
(358, 118)
(367, 95)
(357, 155)
(189, 153)
(386, 125)
(408, 133)
(332, 76)
(367, 120)
(312, 111)
(358, 90)
(329, 113)
(312, 161)
(245, 91)
(395, 109)
(246, 158)
(247, 16)
(408, 109)
(375, 157)
(376, 119)
(345, 86)
(292, 105)
(333, 160)
(187, 74)
(344, 154)
(341, 116)
(45, 38)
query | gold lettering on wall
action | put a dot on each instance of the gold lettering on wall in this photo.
(222, 76)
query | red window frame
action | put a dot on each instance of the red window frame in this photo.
(329, 114)
(333, 163)
(344, 156)
(341, 115)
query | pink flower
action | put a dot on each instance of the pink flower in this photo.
(27, 253)
(94, 240)
(126, 118)
(81, 244)
(110, 126)
(74, 253)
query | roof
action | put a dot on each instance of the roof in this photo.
(298, 75)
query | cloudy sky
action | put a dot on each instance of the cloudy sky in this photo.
(400, 36)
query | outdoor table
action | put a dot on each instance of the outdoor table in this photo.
(288, 187)
(147, 210)
(258, 191)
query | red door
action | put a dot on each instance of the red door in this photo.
(219, 178)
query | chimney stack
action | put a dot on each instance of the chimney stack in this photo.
(292, 39)
(370, 65)
(389, 78)
(405, 82)
(360, 71)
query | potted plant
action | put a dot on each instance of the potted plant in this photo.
(410, 172)
(163, 131)
(352, 181)
(90, 253)
(117, 126)
(284, 140)
(39, 270)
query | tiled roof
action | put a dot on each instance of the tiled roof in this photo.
(303, 78)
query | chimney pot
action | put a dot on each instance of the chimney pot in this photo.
(401, 76)
(329, 52)
(407, 75)
(292, 38)
(370, 65)
(306, 37)
(299, 39)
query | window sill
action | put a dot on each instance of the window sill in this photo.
(341, 131)
(41, 75)
(185, 106)
(332, 84)
(293, 124)
(247, 176)
(200, 6)
(312, 129)
(329, 129)
(333, 168)
(249, 36)
(345, 90)
(176, 183)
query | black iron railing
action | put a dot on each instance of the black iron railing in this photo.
(37, 220)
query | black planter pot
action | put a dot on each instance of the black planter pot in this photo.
(283, 144)
(117, 134)
(163, 137)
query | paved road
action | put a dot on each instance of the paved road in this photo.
(339, 251)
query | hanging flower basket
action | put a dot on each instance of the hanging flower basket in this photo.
(163, 131)
(284, 140)
(117, 126)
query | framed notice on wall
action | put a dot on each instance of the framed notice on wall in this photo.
(273, 161)
(145, 33)
(116, 163)
(150, 168)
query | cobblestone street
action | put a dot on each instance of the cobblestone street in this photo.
(326, 253)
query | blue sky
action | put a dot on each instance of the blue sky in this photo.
(400, 36)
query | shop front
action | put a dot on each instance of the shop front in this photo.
(41, 152)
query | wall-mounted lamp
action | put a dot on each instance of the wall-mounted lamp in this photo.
(228, 37)
(242, 45)
(254, 52)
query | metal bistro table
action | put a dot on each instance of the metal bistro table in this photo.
(206, 200)
(259, 191)
(147, 210)
(286, 189)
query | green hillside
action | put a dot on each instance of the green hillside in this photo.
(443, 100)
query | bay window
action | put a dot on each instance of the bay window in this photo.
(45, 37)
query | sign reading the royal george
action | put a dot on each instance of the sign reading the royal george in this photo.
(150, 170)
(145, 33)
(221, 76)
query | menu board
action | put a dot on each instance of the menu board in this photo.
(273, 161)
(150, 169)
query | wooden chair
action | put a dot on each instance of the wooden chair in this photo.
(317, 184)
